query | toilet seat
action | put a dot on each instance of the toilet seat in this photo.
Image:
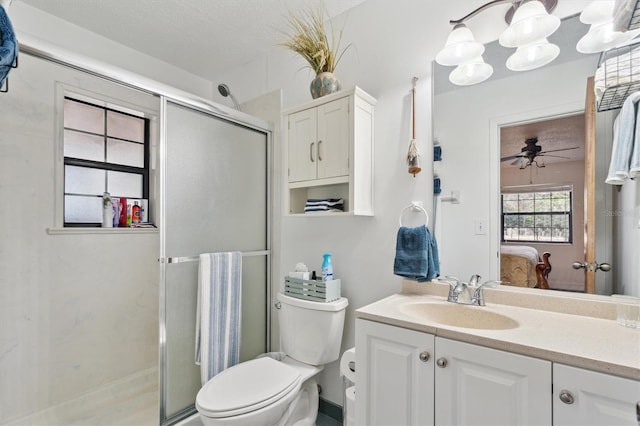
(247, 387)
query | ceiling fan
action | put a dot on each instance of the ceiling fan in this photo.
(529, 153)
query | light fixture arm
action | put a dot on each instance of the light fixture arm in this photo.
(481, 8)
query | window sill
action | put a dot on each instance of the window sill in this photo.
(110, 231)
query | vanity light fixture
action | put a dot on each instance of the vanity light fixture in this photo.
(601, 36)
(529, 25)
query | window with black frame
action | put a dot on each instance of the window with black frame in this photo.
(106, 149)
(543, 216)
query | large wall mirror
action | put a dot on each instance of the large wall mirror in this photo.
(483, 131)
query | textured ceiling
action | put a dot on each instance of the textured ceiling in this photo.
(205, 37)
(563, 134)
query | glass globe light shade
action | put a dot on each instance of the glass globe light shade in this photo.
(533, 55)
(472, 72)
(460, 47)
(601, 37)
(530, 22)
(597, 12)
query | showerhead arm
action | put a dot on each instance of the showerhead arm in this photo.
(226, 92)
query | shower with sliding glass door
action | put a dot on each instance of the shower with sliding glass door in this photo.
(214, 197)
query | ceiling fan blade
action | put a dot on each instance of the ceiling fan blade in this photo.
(518, 162)
(511, 157)
(554, 156)
(556, 150)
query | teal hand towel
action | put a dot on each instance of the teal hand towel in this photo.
(416, 254)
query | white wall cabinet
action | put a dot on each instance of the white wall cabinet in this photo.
(583, 397)
(406, 377)
(394, 375)
(330, 151)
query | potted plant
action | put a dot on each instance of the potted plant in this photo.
(309, 39)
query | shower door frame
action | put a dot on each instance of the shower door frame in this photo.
(163, 260)
(41, 49)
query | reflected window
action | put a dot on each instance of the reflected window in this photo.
(105, 150)
(543, 216)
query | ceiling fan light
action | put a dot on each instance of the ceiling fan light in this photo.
(601, 37)
(533, 55)
(597, 12)
(472, 72)
(531, 22)
(460, 47)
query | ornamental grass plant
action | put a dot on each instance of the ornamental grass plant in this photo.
(308, 38)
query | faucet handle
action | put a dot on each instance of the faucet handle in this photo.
(478, 294)
(452, 281)
(474, 281)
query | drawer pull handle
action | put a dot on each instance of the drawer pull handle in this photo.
(566, 396)
(319, 154)
(424, 356)
(311, 152)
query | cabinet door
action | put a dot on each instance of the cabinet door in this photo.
(394, 375)
(582, 397)
(333, 139)
(303, 145)
(482, 386)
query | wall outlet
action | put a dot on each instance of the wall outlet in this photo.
(481, 227)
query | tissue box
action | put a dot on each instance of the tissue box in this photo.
(317, 291)
(300, 275)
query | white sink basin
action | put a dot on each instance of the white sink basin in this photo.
(458, 315)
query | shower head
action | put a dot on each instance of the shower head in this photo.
(226, 92)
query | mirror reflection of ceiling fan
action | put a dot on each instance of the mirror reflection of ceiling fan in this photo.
(530, 152)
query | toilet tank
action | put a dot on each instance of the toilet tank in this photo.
(311, 332)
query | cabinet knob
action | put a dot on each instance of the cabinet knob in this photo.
(566, 396)
(442, 362)
(424, 356)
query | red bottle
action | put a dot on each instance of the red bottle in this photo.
(123, 212)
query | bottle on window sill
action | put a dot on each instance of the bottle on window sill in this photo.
(135, 213)
(107, 211)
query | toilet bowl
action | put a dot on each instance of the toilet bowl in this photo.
(266, 391)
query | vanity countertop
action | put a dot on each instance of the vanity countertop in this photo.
(586, 341)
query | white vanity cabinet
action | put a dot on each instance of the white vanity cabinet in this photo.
(330, 151)
(406, 377)
(583, 397)
(482, 386)
(394, 375)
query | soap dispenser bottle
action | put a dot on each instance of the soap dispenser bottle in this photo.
(327, 267)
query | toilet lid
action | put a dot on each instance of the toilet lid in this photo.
(246, 387)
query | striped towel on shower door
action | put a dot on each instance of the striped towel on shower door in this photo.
(218, 316)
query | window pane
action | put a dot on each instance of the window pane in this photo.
(121, 184)
(510, 206)
(78, 209)
(83, 180)
(526, 205)
(83, 117)
(126, 153)
(543, 204)
(83, 146)
(125, 126)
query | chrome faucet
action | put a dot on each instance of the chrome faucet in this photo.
(457, 287)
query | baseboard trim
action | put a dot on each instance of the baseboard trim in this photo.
(330, 409)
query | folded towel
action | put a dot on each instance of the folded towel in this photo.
(626, 134)
(416, 254)
(8, 46)
(218, 317)
(324, 205)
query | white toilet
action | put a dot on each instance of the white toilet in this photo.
(279, 389)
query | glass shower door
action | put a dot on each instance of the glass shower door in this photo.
(215, 198)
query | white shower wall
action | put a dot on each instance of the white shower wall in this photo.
(78, 311)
